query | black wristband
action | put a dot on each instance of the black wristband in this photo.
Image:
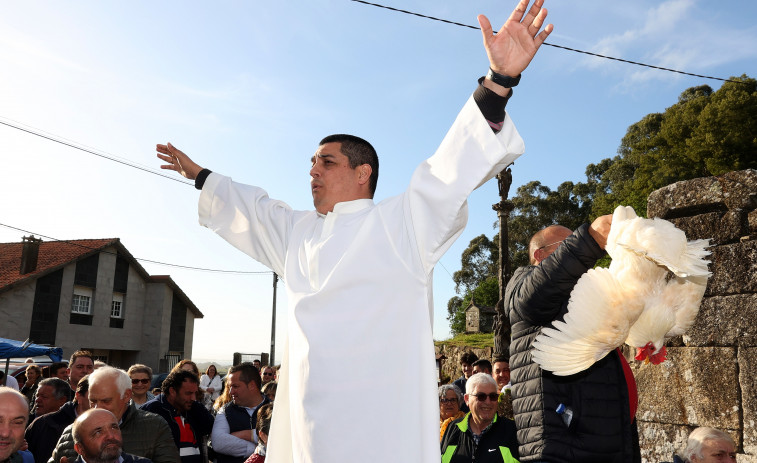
(503, 80)
(201, 177)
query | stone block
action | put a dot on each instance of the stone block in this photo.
(694, 387)
(686, 198)
(748, 383)
(718, 227)
(734, 269)
(740, 189)
(752, 221)
(725, 321)
(659, 441)
(733, 190)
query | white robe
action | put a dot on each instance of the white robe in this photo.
(359, 281)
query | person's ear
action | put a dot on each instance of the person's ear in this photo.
(364, 173)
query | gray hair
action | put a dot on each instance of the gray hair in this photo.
(120, 377)
(479, 379)
(451, 387)
(61, 389)
(698, 437)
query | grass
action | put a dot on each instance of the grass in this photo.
(477, 340)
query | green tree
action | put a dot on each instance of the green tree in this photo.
(705, 133)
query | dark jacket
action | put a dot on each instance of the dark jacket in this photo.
(498, 444)
(198, 417)
(602, 429)
(43, 433)
(145, 434)
(238, 420)
(127, 459)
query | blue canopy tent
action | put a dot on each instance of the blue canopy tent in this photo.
(10, 349)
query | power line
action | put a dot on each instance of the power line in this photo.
(80, 147)
(398, 10)
(186, 267)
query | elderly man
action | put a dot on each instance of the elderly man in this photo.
(709, 445)
(598, 405)
(97, 439)
(144, 434)
(480, 435)
(43, 433)
(52, 393)
(188, 419)
(14, 413)
(351, 252)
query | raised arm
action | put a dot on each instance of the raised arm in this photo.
(511, 50)
(176, 160)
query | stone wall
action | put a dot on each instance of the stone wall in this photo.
(709, 377)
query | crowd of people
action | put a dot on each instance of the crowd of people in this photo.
(90, 412)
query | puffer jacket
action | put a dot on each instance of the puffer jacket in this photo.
(601, 429)
(144, 434)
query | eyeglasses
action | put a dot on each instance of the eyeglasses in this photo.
(447, 401)
(551, 244)
(481, 396)
(137, 381)
(267, 374)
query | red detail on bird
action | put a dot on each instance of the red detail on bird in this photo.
(659, 357)
(644, 353)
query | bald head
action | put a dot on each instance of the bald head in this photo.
(14, 413)
(546, 241)
(97, 436)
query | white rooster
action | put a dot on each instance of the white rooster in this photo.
(633, 301)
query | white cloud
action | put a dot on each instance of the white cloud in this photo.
(674, 35)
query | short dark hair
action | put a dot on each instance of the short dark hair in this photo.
(54, 367)
(501, 358)
(61, 389)
(264, 418)
(359, 152)
(483, 363)
(176, 378)
(81, 353)
(468, 357)
(248, 373)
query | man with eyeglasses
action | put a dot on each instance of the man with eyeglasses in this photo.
(268, 375)
(144, 434)
(586, 417)
(480, 435)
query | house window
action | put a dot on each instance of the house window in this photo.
(116, 306)
(82, 301)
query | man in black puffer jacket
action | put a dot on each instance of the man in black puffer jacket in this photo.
(602, 399)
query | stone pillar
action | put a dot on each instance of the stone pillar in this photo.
(710, 376)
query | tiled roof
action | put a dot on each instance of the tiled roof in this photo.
(52, 255)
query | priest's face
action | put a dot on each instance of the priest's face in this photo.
(332, 180)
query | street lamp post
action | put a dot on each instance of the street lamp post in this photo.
(503, 207)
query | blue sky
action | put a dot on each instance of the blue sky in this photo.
(248, 88)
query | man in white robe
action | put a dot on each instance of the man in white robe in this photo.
(358, 274)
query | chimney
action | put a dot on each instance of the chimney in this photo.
(29, 254)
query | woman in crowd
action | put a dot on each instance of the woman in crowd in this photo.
(211, 385)
(33, 377)
(450, 400)
(141, 378)
(269, 390)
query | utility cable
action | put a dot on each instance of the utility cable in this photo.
(398, 10)
(56, 139)
(186, 267)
